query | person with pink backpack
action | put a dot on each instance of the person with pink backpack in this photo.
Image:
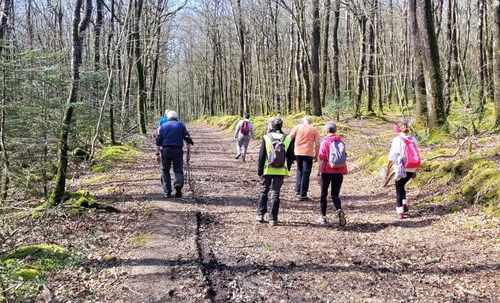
(404, 161)
(332, 168)
(243, 133)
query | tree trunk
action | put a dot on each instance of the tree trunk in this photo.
(6, 11)
(431, 64)
(497, 63)
(325, 55)
(141, 81)
(420, 91)
(241, 36)
(97, 34)
(336, 54)
(78, 29)
(315, 60)
(362, 66)
(371, 59)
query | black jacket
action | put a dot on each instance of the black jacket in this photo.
(290, 156)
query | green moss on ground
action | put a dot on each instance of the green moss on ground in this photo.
(26, 267)
(109, 155)
(475, 180)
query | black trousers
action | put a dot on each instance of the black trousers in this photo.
(274, 184)
(400, 188)
(333, 181)
(304, 168)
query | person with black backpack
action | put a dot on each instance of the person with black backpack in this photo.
(243, 134)
(275, 160)
(332, 168)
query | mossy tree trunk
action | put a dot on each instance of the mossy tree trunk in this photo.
(79, 27)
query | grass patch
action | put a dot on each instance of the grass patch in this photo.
(23, 270)
(109, 155)
(140, 240)
(97, 179)
(373, 161)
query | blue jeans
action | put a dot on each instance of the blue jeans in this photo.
(172, 156)
(304, 168)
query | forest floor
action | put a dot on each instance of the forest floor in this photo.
(207, 246)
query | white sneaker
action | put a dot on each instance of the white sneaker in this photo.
(323, 220)
(260, 218)
(273, 222)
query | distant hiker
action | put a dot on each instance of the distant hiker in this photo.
(307, 140)
(275, 159)
(163, 119)
(404, 161)
(243, 134)
(170, 142)
(332, 168)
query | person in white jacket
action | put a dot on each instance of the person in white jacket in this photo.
(243, 133)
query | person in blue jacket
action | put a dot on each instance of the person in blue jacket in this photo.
(170, 143)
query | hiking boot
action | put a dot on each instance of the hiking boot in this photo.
(273, 222)
(405, 206)
(260, 219)
(342, 220)
(323, 220)
(406, 209)
(178, 192)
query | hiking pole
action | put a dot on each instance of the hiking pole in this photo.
(188, 170)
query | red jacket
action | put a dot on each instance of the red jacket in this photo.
(324, 153)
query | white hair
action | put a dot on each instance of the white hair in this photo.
(307, 120)
(171, 115)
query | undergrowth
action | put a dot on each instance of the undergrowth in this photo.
(471, 181)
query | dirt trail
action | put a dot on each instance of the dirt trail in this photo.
(208, 248)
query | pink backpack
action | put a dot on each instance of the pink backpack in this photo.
(412, 156)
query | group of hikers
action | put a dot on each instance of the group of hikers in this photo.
(278, 151)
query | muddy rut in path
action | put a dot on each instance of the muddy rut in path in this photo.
(207, 247)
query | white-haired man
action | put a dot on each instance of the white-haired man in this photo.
(307, 139)
(170, 142)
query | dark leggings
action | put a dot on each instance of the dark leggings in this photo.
(400, 188)
(335, 182)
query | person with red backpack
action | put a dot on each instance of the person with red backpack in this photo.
(243, 134)
(275, 160)
(332, 168)
(404, 161)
